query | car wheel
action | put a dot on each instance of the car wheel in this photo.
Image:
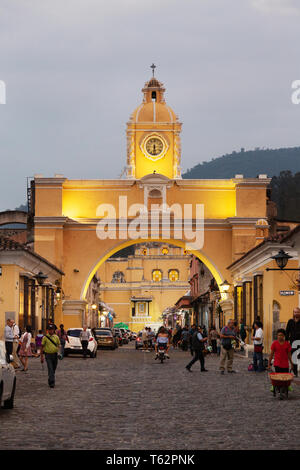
(9, 403)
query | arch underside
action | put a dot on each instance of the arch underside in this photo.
(180, 243)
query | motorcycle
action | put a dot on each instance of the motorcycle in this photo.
(161, 353)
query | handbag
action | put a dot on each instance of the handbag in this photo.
(258, 348)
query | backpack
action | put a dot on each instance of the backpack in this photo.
(196, 344)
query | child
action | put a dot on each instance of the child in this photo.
(281, 351)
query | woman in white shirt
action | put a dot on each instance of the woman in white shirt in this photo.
(258, 341)
(25, 349)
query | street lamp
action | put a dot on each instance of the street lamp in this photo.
(281, 259)
(225, 286)
(40, 277)
(58, 293)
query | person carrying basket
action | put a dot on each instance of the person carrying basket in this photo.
(281, 352)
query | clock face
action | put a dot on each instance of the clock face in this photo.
(154, 146)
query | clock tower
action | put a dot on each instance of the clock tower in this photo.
(153, 136)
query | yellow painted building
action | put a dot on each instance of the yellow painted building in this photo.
(225, 217)
(25, 295)
(260, 289)
(141, 286)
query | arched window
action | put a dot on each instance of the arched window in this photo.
(156, 275)
(118, 277)
(173, 275)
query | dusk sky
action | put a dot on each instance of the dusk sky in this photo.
(74, 70)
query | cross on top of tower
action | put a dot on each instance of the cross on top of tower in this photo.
(153, 67)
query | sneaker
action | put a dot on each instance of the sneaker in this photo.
(204, 370)
(231, 371)
(222, 372)
(188, 368)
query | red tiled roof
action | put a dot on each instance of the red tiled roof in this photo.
(8, 244)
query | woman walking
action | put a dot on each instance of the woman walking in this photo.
(213, 335)
(258, 340)
(25, 349)
(62, 334)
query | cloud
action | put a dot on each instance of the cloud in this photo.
(286, 7)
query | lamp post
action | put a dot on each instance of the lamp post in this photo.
(40, 277)
(281, 260)
(226, 303)
(225, 286)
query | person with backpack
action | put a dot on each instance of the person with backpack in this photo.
(50, 346)
(227, 335)
(198, 342)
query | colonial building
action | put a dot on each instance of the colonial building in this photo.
(226, 217)
(28, 287)
(260, 290)
(141, 285)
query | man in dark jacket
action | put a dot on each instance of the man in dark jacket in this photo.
(191, 332)
(198, 341)
(293, 335)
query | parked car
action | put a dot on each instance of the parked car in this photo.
(119, 336)
(73, 343)
(125, 335)
(105, 338)
(7, 380)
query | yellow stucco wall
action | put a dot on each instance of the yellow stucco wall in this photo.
(9, 293)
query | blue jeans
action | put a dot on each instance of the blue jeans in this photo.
(258, 357)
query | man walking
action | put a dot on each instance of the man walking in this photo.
(227, 335)
(50, 346)
(84, 338)
(8, 338)
(293, 336)
(198, 341)
(16, 333)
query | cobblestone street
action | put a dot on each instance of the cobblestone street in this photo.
(124, 399)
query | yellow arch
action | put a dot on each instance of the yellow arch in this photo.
(199, 254)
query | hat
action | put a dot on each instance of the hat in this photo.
(51, 327)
